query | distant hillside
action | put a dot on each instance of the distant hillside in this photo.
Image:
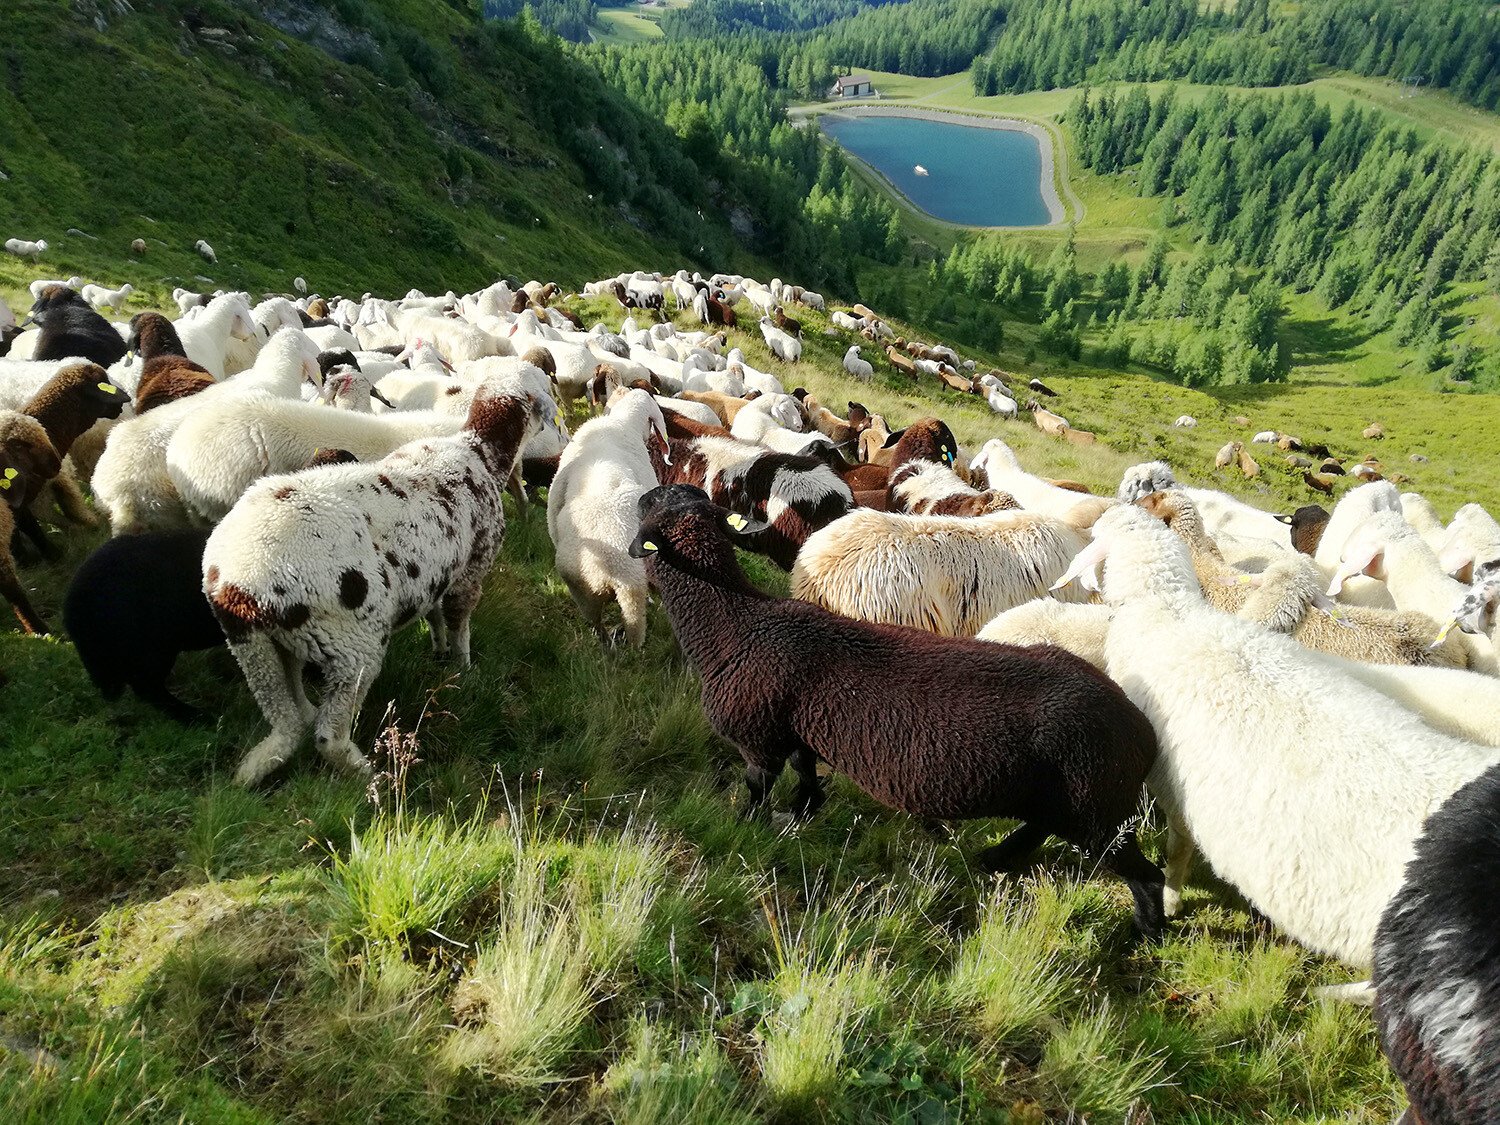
(368, 143)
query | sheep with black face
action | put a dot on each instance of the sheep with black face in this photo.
(914, 720)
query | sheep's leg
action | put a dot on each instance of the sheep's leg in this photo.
(633, 602)
(1361, 992)
(458, 605)
(292, 668)
(590, 606)
(1179, 859)
(342, 696)
(69, 498)
(265, 671)
(1145, 881)
(758, 780)
(28, 525)
(10, 586)
(1010, 852)
(809, 797)
(518, 492)
(439, 630)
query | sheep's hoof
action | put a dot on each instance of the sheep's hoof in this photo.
(260, 764)
(346, 757)
(1171, 902)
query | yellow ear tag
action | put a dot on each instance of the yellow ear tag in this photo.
(1243, 580)
(11, 474)
(736, 521)
(109, 388)
(523, 483)
(648, 546)
(1443, 633)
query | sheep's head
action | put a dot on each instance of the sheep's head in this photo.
(680, 526)
(1142, 480)
(1307, 524)
(1140, 557)
(503, 417)
(24, 446)
(1476, 611)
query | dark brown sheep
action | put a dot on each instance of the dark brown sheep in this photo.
(166, 372)
(937, 727)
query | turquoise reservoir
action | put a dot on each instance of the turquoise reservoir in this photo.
(975, 176)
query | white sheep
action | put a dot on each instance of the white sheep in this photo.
(1471, 547)
(1001, 403)
(102, 298)
(812, 300)
(205, 335)
(1303, 788)
(730, 381)
(1387, 548)
(1420, 513)
(997, 464)
(945, 574)
(1356, 506)
(205, 250)
(846, 321)
(854, 365)
(758, 427)
(1266, 437)
(317, 569)
(42, 285)
(131, 480)
(784, 346)
(1185, 421)
(223, 448)
(299, 284)
(593, 514)
(25, 249)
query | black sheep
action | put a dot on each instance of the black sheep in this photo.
(1437, 964)
(71, 328)
(133, 606)
(939, 727)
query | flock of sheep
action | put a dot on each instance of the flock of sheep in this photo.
(1310, 699)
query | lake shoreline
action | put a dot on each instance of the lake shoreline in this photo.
(1044, 140)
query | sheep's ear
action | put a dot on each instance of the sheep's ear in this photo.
(736, 524)
(893, 439)
(1364, 561)
(12, 486)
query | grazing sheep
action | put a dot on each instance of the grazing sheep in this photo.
(784, 345)
(840, 431)
(900, 362)
(944, 574)
(41, 285)
(70, 329)
(856, 366)
(591, 510)
(101, 298)
(1002, 404)
(1437, 965)
(936, 727)
(1373, 432)
(1228, 454)
(1041, 388)
(1185, 421)
(138, 247)
(1248, 465)
(1265, 437)
(1314, 835)
(205, 250)
(133, 606)
(317, 570)
(23, 248)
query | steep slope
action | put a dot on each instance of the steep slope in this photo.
(373, 142)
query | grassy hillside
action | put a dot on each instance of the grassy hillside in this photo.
(554, 912)
(441, 152)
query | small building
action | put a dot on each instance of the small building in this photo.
(852, 86)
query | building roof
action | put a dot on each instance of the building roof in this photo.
(853, 80)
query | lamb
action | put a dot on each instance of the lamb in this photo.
(1315, 837)
(784, 346)
(133, 606)
(1287, 597)
(1437, 967)
(205, 250)
(70, 329)
(317, 569)
(132, 480)
(945, 574)
(857, 367)
(872, 443)
(22, 248)
(1388, 548)
(41, 285)
(591, 511)
(101, 298)
(911, 719)
(1001, 403)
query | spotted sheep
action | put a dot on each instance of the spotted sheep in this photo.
(318, 569)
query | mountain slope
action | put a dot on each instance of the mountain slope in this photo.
(458, 149)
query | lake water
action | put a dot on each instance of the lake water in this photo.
(976, 176)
